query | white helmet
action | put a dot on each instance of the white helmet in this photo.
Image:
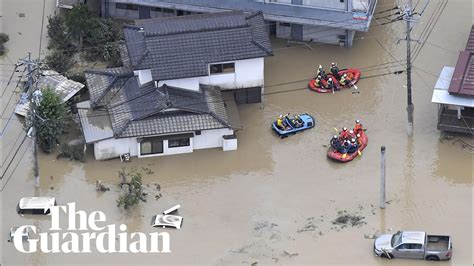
(351, 131)
(358, 135)
(330, 79)
(344, 129)
(334, 137)
(353, 140)
(357, 121)
(281, 116)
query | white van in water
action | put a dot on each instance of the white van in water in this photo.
(35, 205)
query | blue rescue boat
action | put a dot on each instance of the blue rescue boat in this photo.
(306, 121)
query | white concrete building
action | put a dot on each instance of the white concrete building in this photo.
(169, 96)
(326, 21)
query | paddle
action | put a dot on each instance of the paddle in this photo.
(359, 152)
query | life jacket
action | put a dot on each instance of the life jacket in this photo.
(280, 122)
(345, 135)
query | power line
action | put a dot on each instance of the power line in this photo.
(195, 104)
(18, 162)
(11, 96)
(429, 28)
(14, 155)
(9, 80)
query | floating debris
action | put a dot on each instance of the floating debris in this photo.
(344, 219)
(309, 226)
(288, 254)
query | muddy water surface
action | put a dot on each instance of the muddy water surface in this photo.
(273, 201)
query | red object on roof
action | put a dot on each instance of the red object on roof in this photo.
(462, 82)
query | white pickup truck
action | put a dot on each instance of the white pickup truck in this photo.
(413, 245)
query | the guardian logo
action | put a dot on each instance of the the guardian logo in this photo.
(91, 231)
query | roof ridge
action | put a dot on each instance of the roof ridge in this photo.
(142, 58)
(133, 27)
(215, 116)
(189, 17)
(95, 104)
(261, 47)
(253, 14)
(105, 73)
(133, 98)
(221, 28)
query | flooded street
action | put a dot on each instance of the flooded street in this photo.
(273, 200)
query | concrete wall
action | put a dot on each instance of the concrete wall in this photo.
(211, 138)
(329, 4)
(248, 73)
(112, 148)
(187, 83)
(322, 34)
(313, 33)
(283, 32)
(121, 13)
(360, 5)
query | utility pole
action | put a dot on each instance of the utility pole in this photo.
(33, 105)
(382, 178)
(410, 106)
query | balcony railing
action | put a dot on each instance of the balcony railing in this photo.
(448, 120)
(68, 4)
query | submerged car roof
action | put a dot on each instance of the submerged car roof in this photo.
(415, 237)
(36, 202)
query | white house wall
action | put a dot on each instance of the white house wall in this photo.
(186, 83)
(248, 73)
(211, 138)
(113, 148)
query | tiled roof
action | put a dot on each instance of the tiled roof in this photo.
(462, 82)
(168, 110)
(180, 47)
(134, 110)
(104, 84)
(95, 124)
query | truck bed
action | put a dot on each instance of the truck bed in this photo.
(437, 243)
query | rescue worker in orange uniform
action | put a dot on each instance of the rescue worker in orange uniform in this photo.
(344, 135)
(358, 127)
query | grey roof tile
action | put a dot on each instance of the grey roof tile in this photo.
(180, 47)
(146, 110)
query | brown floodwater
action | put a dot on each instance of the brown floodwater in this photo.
(273, 200)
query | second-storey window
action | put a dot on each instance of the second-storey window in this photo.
(222, 68)
(126, 6)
